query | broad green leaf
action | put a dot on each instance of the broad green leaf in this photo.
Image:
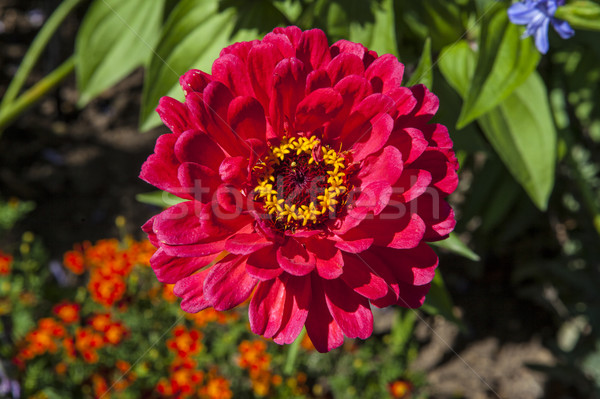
(455, 245)
(438, 301)
(504, 62)
(581, 14)
(522, 132)
(424, 72)
(115, 37)
(159, 198)
(457, 63)
(380, 34)
(193, 36)
(520, 129)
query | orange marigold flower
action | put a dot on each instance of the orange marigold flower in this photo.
(140, 252)
(100, 386)
(60, 368)
(216, 387)
(164, 387)
(306, 343)
(69, 347)
(87, 341)
(185, 342)
(74, 261)
(167, 293)
(106, 290)
(6, 261)
(101, 322)
(115, 333)
(67, 312)
(103, 251)
(400, 389)
(52, 326)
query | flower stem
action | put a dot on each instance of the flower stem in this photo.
(34, 94)
(293, 354)
(36, 49)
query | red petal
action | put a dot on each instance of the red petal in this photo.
(227, 285)
(412, 184)
(174, 114)
(201, 182)
(410, 142)
(313, 49)
(234, 170)
(344, 65)
(412, 296)
(363, 278)
(295, 259)
(443, 171)
(213, 115)
(322, 329)
(374, 197)
(427, 102)
(171, 269)
(245, 244)
(160, 169)
(247, 118)
(371, 138)
(262, 264)
(350, 310)
(318, 108)
(395, 228)
(239, 49)
(330, 263)
(295, 312)
(196, 146)
(317, 79)
(191, 290)
(261, 63)
(148, 229)
(289, 81)
(231, 70)
(436, 213)
(194, 80)
(386, 166)
(292, 32)
(385, 73)
(266, 308)
(281, 42)
(414, 266)
(348, 47)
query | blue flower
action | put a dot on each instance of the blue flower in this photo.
(537, 15)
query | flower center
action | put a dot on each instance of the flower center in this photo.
(301, 183)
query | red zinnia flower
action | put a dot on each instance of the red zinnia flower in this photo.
(315, 173)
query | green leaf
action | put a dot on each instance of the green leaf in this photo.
(504, 62)
(581, 14)
(455, 245)
(159, 198)
(116, 36)
(439, 302)
(380, 34)
(522, 132)
(520, 129)
(192, 38)
(424, 72)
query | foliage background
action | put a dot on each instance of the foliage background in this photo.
(522, 270)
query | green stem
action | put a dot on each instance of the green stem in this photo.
(36, 49)
(293, 354)
(34, 94)
(587, 193)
